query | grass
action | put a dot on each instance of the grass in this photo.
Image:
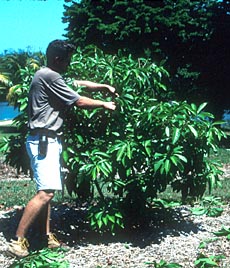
(19, 192)
(222, 155)
(15, 192)
(222, 192)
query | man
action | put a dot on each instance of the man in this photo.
(48, 97)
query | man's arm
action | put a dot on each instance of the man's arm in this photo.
(93, 85)
(85, 102)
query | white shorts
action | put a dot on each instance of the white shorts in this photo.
(46, 170)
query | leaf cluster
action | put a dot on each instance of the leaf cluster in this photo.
(205, 261)
(211, 206)
(164, 264)
(208, 261)
(224, 231)
(45, 258)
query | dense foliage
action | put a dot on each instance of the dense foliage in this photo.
(121, 160)
(18, 70)
(190, 37)
(11, 65)
(127, 157)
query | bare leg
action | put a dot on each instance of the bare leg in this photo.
(46, 219)
(42, 223)
(39, 202)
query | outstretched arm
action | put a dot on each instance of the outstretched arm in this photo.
(85, 102)
(93, 85)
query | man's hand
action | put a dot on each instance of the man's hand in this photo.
(93, 86)
(110, 105)
(85, 102)
(112, 90)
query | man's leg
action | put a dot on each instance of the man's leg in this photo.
(48, 212)
(42, 223)
(43, 228)
(51, 238)
(32, 210)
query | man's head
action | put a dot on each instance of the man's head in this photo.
(59, 54)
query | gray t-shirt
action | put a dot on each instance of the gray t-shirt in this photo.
(48, 98)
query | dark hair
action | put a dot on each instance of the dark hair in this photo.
(59, 48)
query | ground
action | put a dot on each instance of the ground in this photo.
(172, 238)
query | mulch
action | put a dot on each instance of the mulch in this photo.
(175, 238)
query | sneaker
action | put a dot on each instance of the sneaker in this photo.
(18, 248)
(53, 241)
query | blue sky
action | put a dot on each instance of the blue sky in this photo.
(30, 24)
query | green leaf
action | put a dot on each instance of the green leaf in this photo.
(147, 145)
(46, 258)
(80, 138)
(129, 152)
(215, 212)
(167, 131)
(111, 218)
(94, 173)
(117, 134)
(199, 211)
(173, 265)
(212, 181)
(174, 160)
(201, 107)
(167, 166)
(98, 215)
(118, 215)
(23, 107)
(205, 262)
(181, 157)
(65, 155)
(104, 168)
(105, 220)
(224, 231)
(202, 245)
(121, 152)
(99, 223)
(193, 130)
(176, 135)
(102, 154)
(194, 107)
(218, 123)
(158, 164)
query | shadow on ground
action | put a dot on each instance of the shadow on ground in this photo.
(70, 224)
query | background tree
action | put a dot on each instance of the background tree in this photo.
(215, 62)
(11, 65)
(185, 36)
(20, 68)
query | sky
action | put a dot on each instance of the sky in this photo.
(30, 24)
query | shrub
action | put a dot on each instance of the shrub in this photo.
(127, 157)
(123, 159)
